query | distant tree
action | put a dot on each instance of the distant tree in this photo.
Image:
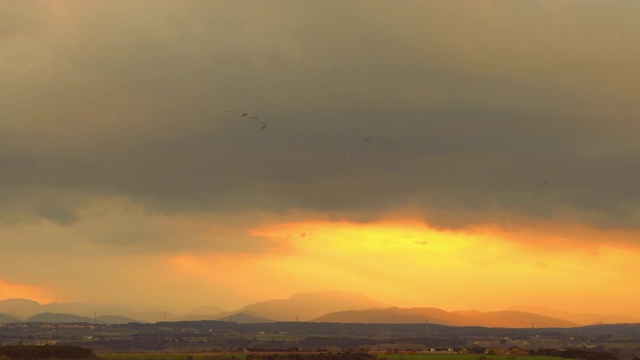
(46, 352)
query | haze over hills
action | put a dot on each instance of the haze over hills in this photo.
(6, 319)
(387, 316)
(48, 317)
(508, 319)
(242, 318)
(203, 312)
(58, 318)
(216, 313)
(300, 306)
(307, 306)
(23, 309)
(20, 308)
(585, 319)
(327, 306)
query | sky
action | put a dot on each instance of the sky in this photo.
(454, 154)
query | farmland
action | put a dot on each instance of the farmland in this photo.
(209, 340)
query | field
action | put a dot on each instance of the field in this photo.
(171, 356)
(242, 356)
(463, 357)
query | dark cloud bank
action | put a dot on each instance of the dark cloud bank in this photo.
(466, 113)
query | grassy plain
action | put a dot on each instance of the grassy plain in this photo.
(462, 357)
(171, 356)
(242, 356)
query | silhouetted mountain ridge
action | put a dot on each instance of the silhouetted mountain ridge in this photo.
(394, 315)
(6, 319)
(48, 317)
(586, 319)
(242, 318)
(325, 306)
(307, 306)
(23, 309)
(20, 308)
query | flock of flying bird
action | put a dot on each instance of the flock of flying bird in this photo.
(263, 126)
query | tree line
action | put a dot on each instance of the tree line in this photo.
(46, 352)
(576, 354)
(321, 356)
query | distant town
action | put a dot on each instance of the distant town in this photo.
(323, 322)
(606, 342)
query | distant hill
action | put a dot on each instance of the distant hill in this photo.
(326, 306)
(116, 319)
(393, 315)
(511, 319)
(23, 309)
(6, 319)
(141, 312)
(58, 318)
(243, 318)
(205, 312)
(582, 319)
(507, 319)
(205, 309)
(307, 306)
(20, 308)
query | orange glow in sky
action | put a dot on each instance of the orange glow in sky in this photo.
(409, 264)
(22, 291)
(459, 155)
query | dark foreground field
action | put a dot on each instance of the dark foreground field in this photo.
(212, 340)
(303, 356)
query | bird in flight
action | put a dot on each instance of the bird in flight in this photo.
(540, 187)
(263, 125)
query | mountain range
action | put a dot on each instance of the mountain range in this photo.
(327, 306)
(24, 309)
(394, 315)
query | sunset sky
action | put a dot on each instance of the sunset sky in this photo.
(454, 154)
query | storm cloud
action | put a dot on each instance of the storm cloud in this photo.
(390, 105)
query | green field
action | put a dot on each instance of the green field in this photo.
(171, 356)
(463, 357)
(241, 356)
